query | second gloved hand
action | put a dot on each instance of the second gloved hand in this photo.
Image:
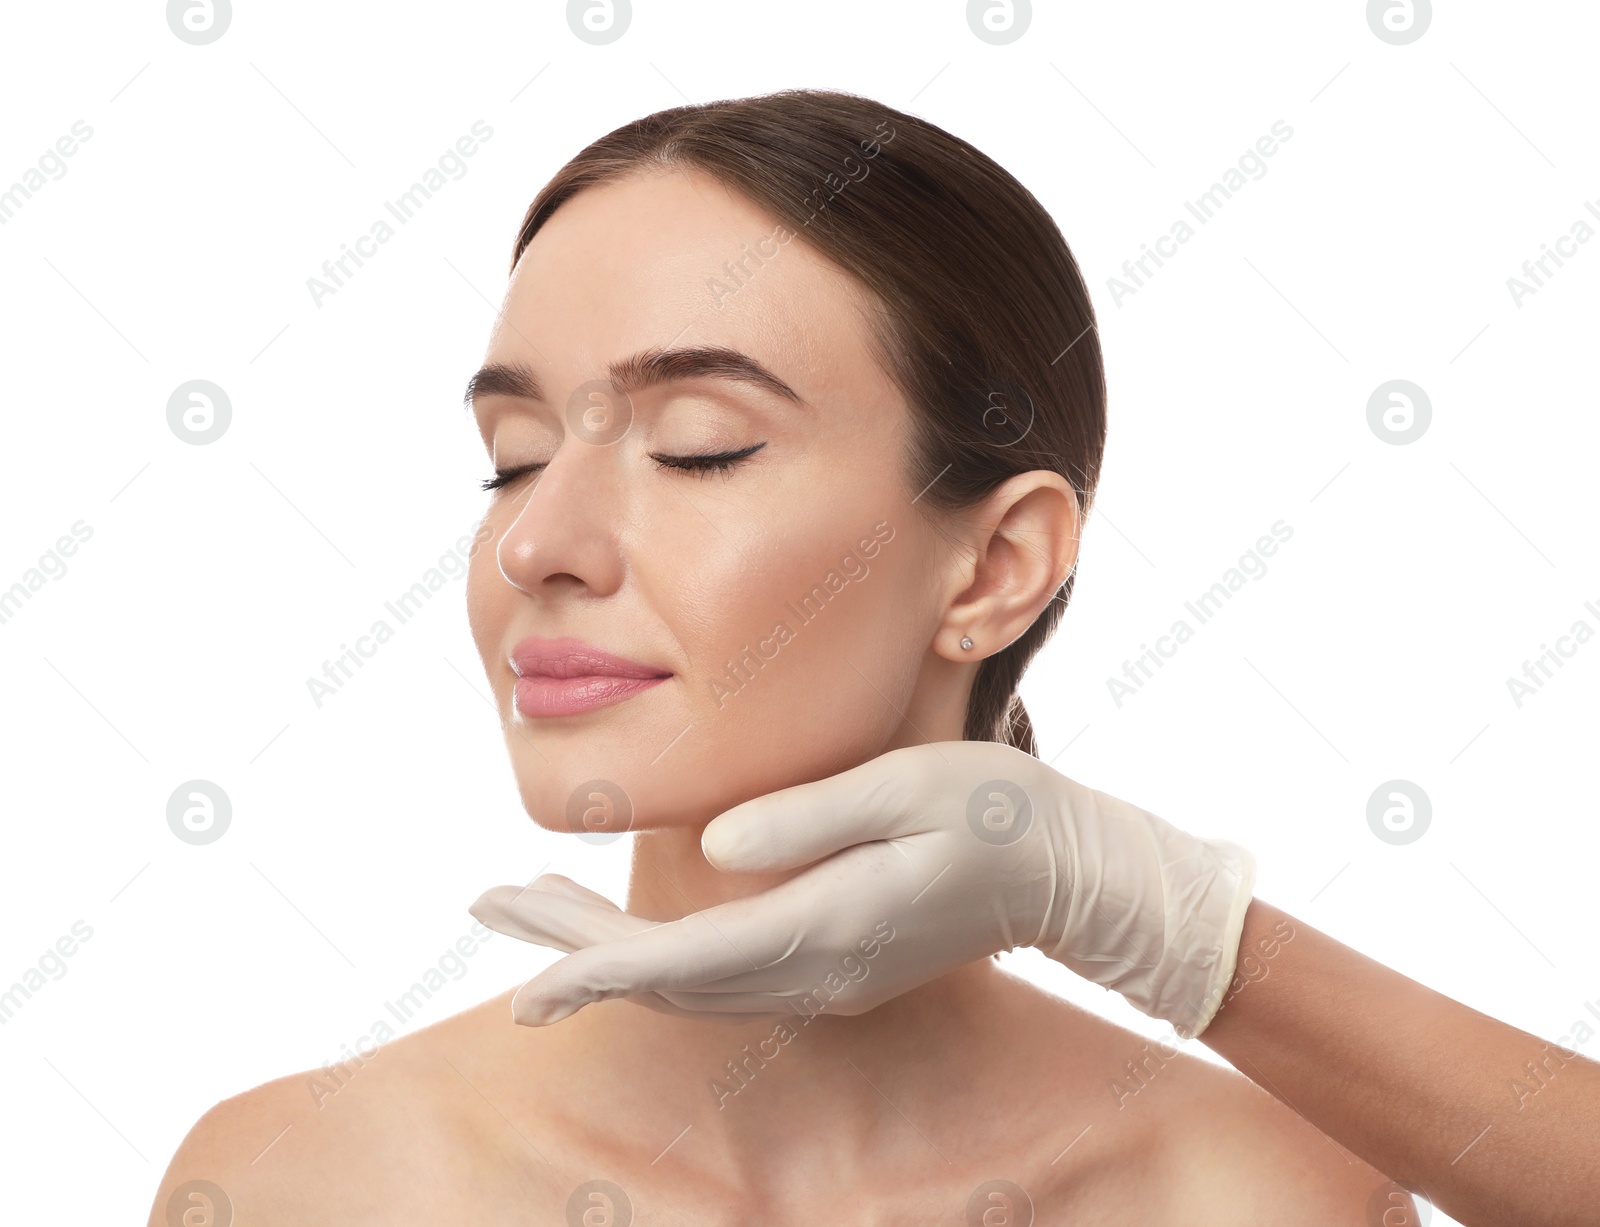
(921, 860)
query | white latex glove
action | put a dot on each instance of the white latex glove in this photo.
(936, 856)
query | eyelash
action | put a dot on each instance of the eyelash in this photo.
(701, 466)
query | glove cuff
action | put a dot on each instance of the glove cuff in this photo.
(1176, 919)
(1196, 990)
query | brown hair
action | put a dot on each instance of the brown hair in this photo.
(986, 324)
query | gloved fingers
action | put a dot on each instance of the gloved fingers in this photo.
(774, 1003)
(689, 1005)
(700, 948)
(668, 1005)
(560, 884)
(550, 918)
(883, 798)
(685, 1005)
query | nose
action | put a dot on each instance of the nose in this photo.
(565, 533)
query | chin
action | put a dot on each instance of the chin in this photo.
(601, 794)
(595, 789)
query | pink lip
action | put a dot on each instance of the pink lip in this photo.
(566, 677)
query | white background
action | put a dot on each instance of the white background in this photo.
(218, 578)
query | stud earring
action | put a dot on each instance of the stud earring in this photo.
(966, 642)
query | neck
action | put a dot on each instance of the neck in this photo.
(748, 1085)
(670, 877)
(756, 1088)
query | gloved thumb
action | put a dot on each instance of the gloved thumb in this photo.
(883, 798)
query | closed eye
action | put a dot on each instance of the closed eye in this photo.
(710, 462)
(702, 465)
(504, 477)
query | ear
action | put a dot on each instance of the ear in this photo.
(1020, 543)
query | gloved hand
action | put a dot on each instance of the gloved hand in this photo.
(936, 856)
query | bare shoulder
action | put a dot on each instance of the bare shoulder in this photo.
(1238, 1154)
(1159, 1134)
(229, 1165)
(399, 1130)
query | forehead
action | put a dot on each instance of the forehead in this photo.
(672, 256)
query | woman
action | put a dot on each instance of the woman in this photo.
(795, 409)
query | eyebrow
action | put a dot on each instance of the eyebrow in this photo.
(644, 369)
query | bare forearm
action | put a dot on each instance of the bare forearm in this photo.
(1493, 1125)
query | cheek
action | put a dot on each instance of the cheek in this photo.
(802, 664)
(488, 601)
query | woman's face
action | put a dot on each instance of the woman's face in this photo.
(784, 601)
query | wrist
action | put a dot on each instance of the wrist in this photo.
(1204, 976)
(1155, 913)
